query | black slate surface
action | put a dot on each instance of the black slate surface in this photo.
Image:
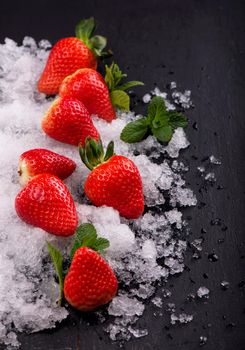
(200, 44)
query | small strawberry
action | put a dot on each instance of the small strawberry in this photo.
(45, 202)
(70, 54)
(67, 120)
(100, 96)
(40, 161)
(90, 281)
(114, 181)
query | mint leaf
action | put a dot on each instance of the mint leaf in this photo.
(85, 28)
(85, 237)
(177, 120)
(163, 134)
(129, 84)
(57, 259)
(156, 109)
(135, 131)
(120, 99)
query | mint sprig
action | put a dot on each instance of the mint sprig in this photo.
(57, 260)
(159, 122)
(113, 78)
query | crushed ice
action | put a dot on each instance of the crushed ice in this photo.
(28, 290)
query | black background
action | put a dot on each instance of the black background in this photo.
(200, 44)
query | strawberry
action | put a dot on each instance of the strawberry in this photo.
(114, 181)
(45, 202)
(70, 54)
(67, 120)
(90, 281)
(100, 96)
(40, 161)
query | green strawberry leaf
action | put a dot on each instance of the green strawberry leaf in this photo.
(177, 120)
(129, 84)
(85, 28)
(98, 43)
(57, 260)
(109, 151)
(120, 99)
(163, 134)
(86, 236)
(135, 131)
(101, 244)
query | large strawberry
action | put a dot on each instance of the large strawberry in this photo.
(114, 181)
(100, 96)
(70, 54)
(45, 202)
(90, 281)
(68, 120)
(39, 161)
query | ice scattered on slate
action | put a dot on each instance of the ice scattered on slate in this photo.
(181, 318)
(178, 142)
(173, 85)
(203, 340)
(225, 285)
(157, 301)
(28, 291)
(146, 98)
(210, 177)
(182, 99)
(201, 169)
(203, 292)
(214, 160)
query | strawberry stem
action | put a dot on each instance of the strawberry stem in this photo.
(92, 153)
(84, 31)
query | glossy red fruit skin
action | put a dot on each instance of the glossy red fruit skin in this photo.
(88, 86)
(117, 183)
(90, 281)
(68, 120)
(46, 202)
(67, 55)
(39, 161)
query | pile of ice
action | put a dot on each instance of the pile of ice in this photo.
(142, 252)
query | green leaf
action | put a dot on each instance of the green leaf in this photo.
(85, 237)
(98, 43)
(57, 259)
(109, 151)
(85, 29)
(120, 99)
(135, 131)
(156, 109)
(113, 76)
(101, 244)
(177, 120)
(129, 84)
(163, 134)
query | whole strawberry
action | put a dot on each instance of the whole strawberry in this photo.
(45, 202)
(100, 96)
(90, 281)
(39, 161)
(67, 120)
(114, 180)
(70, 54)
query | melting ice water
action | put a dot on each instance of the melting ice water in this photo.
(28, 291)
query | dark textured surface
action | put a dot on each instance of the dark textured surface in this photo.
(202, 44)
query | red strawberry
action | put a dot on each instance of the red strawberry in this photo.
(45, 202)
(114, 181)
(101, 97)
(40, 161)
(70, 54)
(88, 86)
(90, 281)
(67, 120)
